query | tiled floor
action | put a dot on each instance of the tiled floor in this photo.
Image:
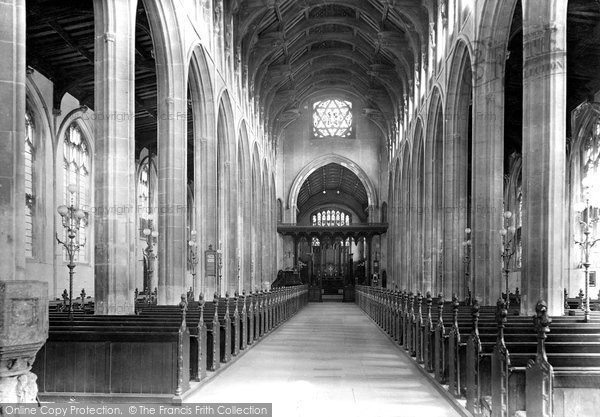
(328, 360)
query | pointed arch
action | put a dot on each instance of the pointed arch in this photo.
(417, 205)
(405, 266)
(200, 87)
(395, 245)
(324, 160)
(256, 229)
(434, 175)
(244, 207)
(227, 208)
(172, 87)
(457, 170)
(42, 177)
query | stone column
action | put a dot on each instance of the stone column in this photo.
(12, 137)
(428, 206)
(265, 236)
(404, 237)
(114, 166)
(23, 304)
(172, 194)
(258, 221)
(232, 228)
(488, 172)
(453, 206)
(205, 187)
(544, 132)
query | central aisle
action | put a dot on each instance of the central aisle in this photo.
(328, 360)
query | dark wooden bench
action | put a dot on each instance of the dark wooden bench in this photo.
(460, 346)
(155, 332)
(88, 356)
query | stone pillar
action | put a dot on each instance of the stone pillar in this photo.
(404, 237)
(205, 187)
(544, 132)
(246, 189)
(172, 195)
(234, 242)
(23, 304)
(114, 166)
(258, 223)
(488, 172)
(265, 236)
(172, 177)
(12, 137)
(428, 206)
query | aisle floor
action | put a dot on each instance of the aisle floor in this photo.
(328, 360)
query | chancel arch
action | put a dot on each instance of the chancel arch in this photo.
(319, 162)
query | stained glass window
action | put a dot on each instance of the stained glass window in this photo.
(330, 218)
(332, 118)
(77, 170)
(29, 184)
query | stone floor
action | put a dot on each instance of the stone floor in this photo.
(328, 360)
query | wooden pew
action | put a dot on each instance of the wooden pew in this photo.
(496, 381)
(186, 338)
(471, 364)
(129, 365)
(206, 333)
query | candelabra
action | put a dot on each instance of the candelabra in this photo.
(467, 259)
(150, 256)
(587, 222)
(193, 254)
(72, 217)
(507, 234)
